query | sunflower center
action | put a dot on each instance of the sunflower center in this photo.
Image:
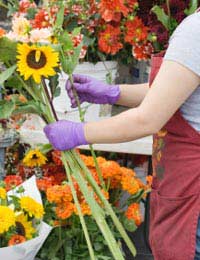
(20, 229)
(35, 157)
(36, 59)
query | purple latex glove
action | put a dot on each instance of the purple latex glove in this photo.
(92, 90)
(65, 135)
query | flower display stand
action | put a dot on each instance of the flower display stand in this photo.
(7, 138)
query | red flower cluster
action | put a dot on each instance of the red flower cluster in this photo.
(109, 40)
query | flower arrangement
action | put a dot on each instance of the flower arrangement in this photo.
(31, 67)
(162, 18)
(61, 210)
(109, 29)
(21, 217)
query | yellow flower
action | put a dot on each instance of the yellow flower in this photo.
(25, 227)
(36, 61)
(7, 219)
(32, 207)
(2, 193)
(34, 158)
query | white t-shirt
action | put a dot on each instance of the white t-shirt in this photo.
(184, 48)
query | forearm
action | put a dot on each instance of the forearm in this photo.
(127, 126)
(132, 95)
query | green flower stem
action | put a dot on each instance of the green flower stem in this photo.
(168, 8)
(81, 114)
(106, 204)
(87, 237)
(27, 88)
(97, 211)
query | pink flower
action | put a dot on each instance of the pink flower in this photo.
(42, 35)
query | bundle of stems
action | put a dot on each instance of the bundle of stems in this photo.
(76, 168)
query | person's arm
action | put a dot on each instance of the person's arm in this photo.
(172, 86)
(132, 95)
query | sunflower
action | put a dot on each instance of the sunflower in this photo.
(34, 158)
(32, 207)
(36, 61)
(24, 227)
(7, 219)
(2, 193)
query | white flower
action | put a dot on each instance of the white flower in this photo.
(20, 26)
(40, 35)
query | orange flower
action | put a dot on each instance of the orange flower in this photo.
(111, 10)
(2, 32)
(110, 169)
(16, 239)
(109, 40)
(44, 183)
(89, 161)
(149, 180)
(64, 210)
(12, 181)
(133, 212)
(56, 157)
(142, 52)
(130, 184)
(41, 20)
(106, 195)
(127, 171)
(85, 209)
(59, 194)
(136, 31)
(131, 4)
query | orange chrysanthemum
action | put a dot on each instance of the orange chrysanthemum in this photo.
(12, 181)
(136, 31)
(2, 32)
(56, 157)
(85, 209)
(110, 169)
(111, 10)
(130, 183)
(149, 180)
(41, 20)
(131, 4)
(133, 212)
(89, 161)
(16, 239)
(64, 210)
(142, 51)
(105, 194)
(59, 194)
(44, 183)
(109, 40)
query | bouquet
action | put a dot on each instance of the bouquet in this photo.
(32, 61)
(21, 212)
(124, 191)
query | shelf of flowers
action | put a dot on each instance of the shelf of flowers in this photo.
(66, 240)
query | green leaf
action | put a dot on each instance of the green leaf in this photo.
(66, 41)
(129, 224)
(161, 16)
(6, 74)
(6, 108)
(60, 16)
(7, 50)
(45, 148)
(30, 107)
(192, 7)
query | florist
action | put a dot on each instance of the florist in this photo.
(170, 110)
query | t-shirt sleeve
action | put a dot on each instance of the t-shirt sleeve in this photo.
(184, 44)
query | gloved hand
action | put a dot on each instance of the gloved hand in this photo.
(65, 135)
(92, 90)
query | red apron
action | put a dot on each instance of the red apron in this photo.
(175, 196)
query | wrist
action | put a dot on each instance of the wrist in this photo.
(114, 94)
(80, 134)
